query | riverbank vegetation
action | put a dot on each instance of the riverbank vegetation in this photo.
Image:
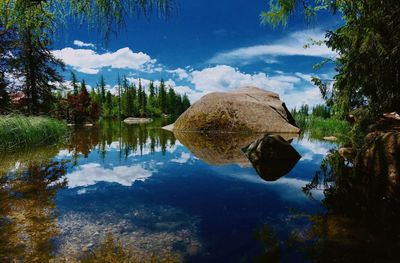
(368, 53)
(18, 132)
(30, 74)
(319, 123)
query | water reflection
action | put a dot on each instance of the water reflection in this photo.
(361, 221)
(152, 194)
(217, 148)
(271, 158)
(28, 219)
(127, 139)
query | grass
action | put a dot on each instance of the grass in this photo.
(21, 132)
(318, 128)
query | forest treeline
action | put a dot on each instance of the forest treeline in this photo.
(30, 75)
(79, 105)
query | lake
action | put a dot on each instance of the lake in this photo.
(193, 198)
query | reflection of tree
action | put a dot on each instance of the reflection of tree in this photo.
(361, 223)
(130, 138)
(270, 245)
(27, 212)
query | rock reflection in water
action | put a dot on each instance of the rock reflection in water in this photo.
(217, 148)
(275, 160)
(272, 156)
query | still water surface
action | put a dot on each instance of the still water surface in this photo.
(196, 198)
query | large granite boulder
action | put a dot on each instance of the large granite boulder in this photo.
(247, 109)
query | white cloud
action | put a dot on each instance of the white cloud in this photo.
(310, 95)
(90, 62)
(226, 78)
(292, 45)
(180, 72)
(291, 88)
(83, 44)
(92, 173)
(222, 78)
(305, 77)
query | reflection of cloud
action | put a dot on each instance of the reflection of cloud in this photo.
(182, 159)
(63, 154)
(92, 173)
(315, 147)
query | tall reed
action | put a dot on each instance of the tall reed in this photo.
(19, 132)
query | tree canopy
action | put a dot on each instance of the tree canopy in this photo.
(368, 47)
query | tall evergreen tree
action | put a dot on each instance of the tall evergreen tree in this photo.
(109, 103)
(74, 83)
(162, 97)
(171, 104)
(139, 95)
(102, 87)
(152, 94)
(36, 63)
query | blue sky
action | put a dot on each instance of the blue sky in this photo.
(204, 46)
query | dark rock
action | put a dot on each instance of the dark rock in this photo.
(380, 156)
(272, 156)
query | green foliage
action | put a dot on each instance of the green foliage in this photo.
(368, 44)
(151, 101)
(321, 111)
(320, 124)
(82, 108)
(18, 132)
(74, 83)
(106, 15)
(26, 30)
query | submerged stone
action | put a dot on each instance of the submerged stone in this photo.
(131, 120)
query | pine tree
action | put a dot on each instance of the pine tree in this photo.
(102, 86)
(185, 102)
(152, 95)
(74, 83)
(109, 103)
(35, 62)
(134, 100)
(162, 97)
(171, 101)
(139, 96)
